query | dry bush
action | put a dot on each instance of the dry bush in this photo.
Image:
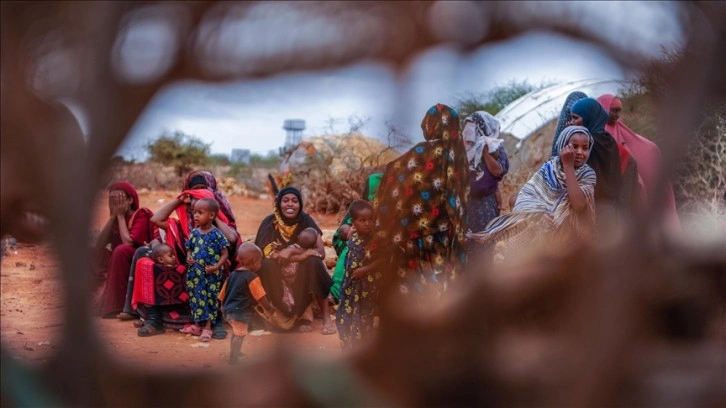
(700, 177)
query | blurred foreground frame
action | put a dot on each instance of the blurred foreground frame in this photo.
(608, 340)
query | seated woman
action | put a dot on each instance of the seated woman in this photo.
(276, 235)
(555, 205)
(169, 304)
(127, 228)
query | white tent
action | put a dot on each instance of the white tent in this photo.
(532, 111)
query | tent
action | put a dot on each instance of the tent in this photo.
(531, 112)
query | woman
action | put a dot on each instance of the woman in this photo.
(420, 225)
(488, 163)
(170, 305)
(604, 160)
(645, 152)
(276, 235)
(548, 206)
(565, 117)
(127, 228)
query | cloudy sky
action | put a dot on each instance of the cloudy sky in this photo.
(250, 114)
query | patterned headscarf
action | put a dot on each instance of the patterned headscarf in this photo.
(485, 125)
(572, 98)
(421, 202)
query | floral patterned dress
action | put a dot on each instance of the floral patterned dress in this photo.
(421, 206)
(202, 287)
(358, 297)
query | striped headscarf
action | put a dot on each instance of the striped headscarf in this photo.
(545, 194)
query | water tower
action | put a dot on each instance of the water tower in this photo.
(294, 129)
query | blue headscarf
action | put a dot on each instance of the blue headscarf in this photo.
(594, 116)
(565, 116)
(605, 157)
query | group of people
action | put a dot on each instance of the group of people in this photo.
(418, 225)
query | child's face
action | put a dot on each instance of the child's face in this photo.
(363, 221)
(203, 216)
(167, 258)
(580, 144)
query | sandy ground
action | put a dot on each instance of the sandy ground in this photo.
(30, 322)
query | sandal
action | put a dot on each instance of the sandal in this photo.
(329, 330)
(206, 335)
(126, 316)
(192, 329)
(219, 332)
(149, 330)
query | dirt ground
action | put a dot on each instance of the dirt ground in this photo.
(30, 322)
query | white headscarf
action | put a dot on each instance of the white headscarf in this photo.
(482, 129)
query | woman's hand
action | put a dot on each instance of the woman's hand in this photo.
(567, 156)
(190, 259)
(210, 268)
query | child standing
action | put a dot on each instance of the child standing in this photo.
(244, 289)
(358, 292)
(206, 255)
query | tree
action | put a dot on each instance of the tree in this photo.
(179, 150)
(496, 99)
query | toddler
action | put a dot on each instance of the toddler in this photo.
(244, 290)
(354, 317)
(206, 255)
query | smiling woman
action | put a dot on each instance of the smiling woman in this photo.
(277, 236)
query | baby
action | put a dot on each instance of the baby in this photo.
(163, 254)
(306, 241)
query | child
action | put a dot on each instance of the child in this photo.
(163, 254)
(306, 241)
(206, 255)
(244, 289)
(357, 298)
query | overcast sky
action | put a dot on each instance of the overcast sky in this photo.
(250, 114)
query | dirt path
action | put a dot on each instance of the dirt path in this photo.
(31, 305)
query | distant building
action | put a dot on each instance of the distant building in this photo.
(240, 156)
(294, 129)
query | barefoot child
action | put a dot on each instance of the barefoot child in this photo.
(206, 255)
(244, 289)
(358, 293)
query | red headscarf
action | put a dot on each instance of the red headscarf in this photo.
(645, 152)
(130, 191)
(181, 210)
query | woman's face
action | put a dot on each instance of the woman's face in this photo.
(575, 120)
(290, 206)
(614, 114)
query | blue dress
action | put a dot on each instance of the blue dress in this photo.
(202, 287)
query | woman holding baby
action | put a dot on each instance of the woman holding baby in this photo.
(278, 237)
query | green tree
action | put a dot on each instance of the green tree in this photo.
(179, 150)
(496, 99)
